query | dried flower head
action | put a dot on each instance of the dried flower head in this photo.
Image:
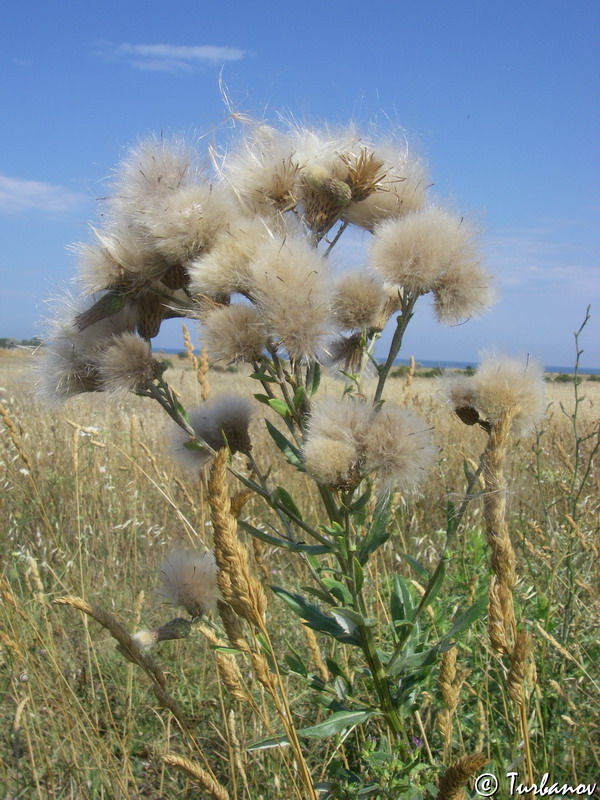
(68, 363)
(225, 268)
(187, 222)
(290, 289)
(331, 462)
(398, 448)
(415, 250)
(508, 386)
(263, 171)
(224, 421)
(152, 170)
(189, 580)
(126, 364)
(461, 292)
(357, 300)
(392, 444)
(398, 187)
(234, 333)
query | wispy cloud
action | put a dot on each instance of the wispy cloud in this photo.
(17, 194)
(546, 256)
(173, 58)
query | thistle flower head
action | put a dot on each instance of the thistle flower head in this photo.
(187, 221)
(398, 448)
(290, 289)
(225, 268)
(357, 300)
(508, 386)
(224, 421)
(461, 292)
(263, 171)
(189, 580)
(415, 250)
(397, 187)
(391, 444)
(234, 333)
(126, 364)
(153, 169)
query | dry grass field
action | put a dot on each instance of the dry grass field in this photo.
(91, 503)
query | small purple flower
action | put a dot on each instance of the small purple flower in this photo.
(417, 742)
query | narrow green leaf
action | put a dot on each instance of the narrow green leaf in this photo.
(289, 450)
(282, 497)
(279, 406)
(263, 377)
(180, 409)
(297, 547)
(299, 397)
(262, 398)
(312, 389)
(272, 741)
(338, 590)
(418, 568)
(379, 531)
(359, 576)
(194, 444)
(336, 723)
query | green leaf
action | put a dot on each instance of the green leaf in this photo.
(379, 532)
(314, 618)
(450, 517)
(181, 410)
(272, 741)
(297, 547)
(295, 662)
(316, 379)
(299, 397)
(194, 444)
(337, 589)
(359, 576)
(336, 723)
(263, 398)
(464, 620)
(263, 376)
(279, 406)
(418, 568)
(282, 497)
(402, 606)
(289, 450)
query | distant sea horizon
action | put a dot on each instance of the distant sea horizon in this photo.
(432, 364)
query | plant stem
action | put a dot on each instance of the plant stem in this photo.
(402, 320)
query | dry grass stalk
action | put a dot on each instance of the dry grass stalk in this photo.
(410, 374)
(496, 626)
(230, 675)
(233, 627)
(315, 652)
(455, 778)
(201, 375)
(239, 588)
(15, 438)
(189, 347)
(450, 681)
(519, 668)
(206, 781)
(238, 759)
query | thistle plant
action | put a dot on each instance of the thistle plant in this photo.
(248, 243)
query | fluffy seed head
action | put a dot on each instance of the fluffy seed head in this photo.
(331, 462)
(222, 421)
(234, 333)
(225, 268)
(290, 289)
(187, 221)
(152, 170)
(357, 300)
(399, 188)
(458, 391)
(398, 448)
(392, 444)
(461, 292)
(263, 171)
(509, 386)
(145, 639)
(415, 250)
(189, 580)
(127, 364)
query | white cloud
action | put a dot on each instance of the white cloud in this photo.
(533, 257)
(175, 58)
(17, 194)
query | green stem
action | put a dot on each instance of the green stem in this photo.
(402, 320)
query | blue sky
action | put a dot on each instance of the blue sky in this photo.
(501, 99)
